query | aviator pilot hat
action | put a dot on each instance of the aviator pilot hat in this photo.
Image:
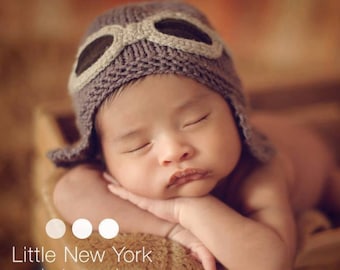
(133, 41)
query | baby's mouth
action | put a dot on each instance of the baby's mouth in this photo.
(186, 176)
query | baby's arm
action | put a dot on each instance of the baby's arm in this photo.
(82, 193)
(238, 242)
(264, 239)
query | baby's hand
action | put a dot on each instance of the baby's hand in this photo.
(165, 209)
(198, 250)
(169, 210)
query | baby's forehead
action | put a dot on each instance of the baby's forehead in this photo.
(179, 92)
(165, 101)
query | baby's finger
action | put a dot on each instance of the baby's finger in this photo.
(209, 263)
(110, 179)
(164, 209)
(119, 191)
(206, 258)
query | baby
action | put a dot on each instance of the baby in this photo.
(165, 138)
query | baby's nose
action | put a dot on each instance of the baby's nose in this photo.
(175, 151)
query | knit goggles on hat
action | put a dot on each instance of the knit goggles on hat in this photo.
(194, 37)
(131, 42)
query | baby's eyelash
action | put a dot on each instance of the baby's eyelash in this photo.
(137, 148)
(198, 120)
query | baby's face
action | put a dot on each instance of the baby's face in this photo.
(168, 136)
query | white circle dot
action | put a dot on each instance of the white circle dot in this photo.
(82, 228)
(108, 228)
(55, 228)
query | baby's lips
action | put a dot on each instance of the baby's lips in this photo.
(187, 174)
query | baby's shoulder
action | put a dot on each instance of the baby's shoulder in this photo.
(265, 184)
(83, 171)
(78, 178)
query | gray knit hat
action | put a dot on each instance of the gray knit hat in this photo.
(134, 41)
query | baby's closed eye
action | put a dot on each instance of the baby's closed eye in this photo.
(196, 120)
(138, 147)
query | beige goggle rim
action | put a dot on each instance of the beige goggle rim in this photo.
(135, 32)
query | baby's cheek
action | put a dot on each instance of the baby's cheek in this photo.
(132, 177)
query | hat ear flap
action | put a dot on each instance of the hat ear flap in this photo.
(92, 52)
(182, 29)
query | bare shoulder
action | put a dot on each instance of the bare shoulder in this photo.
(82, 171)
(75, 181)
(304, 154)
(76, 190)
(78, 178)
(266, 185)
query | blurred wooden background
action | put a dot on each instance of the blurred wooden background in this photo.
(284, 45)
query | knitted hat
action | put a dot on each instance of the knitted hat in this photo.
(134, 41)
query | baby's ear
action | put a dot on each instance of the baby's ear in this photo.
(110, 179)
